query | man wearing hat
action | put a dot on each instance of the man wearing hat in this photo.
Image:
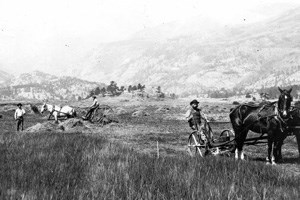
(194, 115)
(92, 108)
(19, 117)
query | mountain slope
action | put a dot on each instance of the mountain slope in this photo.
(39, 85)
(4, 78)
(200, 56)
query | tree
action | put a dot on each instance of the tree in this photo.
(158, 89)
(139, 87)
(134, 88)
(103, 90)
(129, 88)
(97, 91)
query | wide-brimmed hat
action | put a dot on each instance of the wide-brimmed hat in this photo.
(19, 104)
(194, 101)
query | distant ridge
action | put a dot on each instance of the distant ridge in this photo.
(40, 86)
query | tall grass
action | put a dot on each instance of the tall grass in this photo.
(44, 165)
(77, 166)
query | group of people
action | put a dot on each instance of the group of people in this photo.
(193, 115)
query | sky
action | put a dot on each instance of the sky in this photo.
(50, 34)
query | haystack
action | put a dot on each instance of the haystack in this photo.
(46, 126)
(120, 111)
(162, 110)
(140, 113)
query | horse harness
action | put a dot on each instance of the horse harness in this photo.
(58, 111)
(276, 116)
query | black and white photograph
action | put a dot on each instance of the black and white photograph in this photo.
(149, 99)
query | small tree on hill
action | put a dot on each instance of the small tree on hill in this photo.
(97, 91)
(129, 88)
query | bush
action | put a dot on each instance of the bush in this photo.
(235, 103)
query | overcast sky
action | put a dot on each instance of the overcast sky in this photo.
(34, 34)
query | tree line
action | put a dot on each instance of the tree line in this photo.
(114, 90)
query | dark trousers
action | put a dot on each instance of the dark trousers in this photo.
(89, 113)
(20, 123)
(193, 125)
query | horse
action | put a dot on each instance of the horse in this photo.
(294, 124)
(58, 111)
(267, 119)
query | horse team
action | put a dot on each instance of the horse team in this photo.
(277, 120)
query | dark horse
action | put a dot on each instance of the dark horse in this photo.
(294, 124)
(267, 119)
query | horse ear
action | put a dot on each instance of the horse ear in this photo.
(280, 89)
(289, 91)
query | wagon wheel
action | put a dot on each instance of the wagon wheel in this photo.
(226, 136)
(196, 145)
(93, 116)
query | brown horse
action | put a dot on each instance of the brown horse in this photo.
(294, 124)
(267, 119)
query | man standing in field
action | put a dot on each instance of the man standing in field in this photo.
(92, 108)
(19, 117)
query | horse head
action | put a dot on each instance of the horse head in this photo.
(44, 108)
(284, 102)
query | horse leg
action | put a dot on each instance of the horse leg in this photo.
(270, 158)
(279, 147)
(56, 118)
(297, 134)
(240, 139)
(50, 115)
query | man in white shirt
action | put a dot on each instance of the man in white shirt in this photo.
(19, 117)
(92, 108)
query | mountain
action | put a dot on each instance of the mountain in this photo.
(39, 85)
(4, 78)
(201, 55)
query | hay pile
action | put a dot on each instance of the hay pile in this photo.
(120, 111)
(162, 110)
(44, 127)
(70, 125)
(140, 113)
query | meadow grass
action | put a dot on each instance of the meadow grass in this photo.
(78, 166)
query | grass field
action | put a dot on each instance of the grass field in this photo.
(119, 161)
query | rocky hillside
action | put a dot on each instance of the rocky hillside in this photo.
(5, 78)
(39, 85)
(211, 57)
